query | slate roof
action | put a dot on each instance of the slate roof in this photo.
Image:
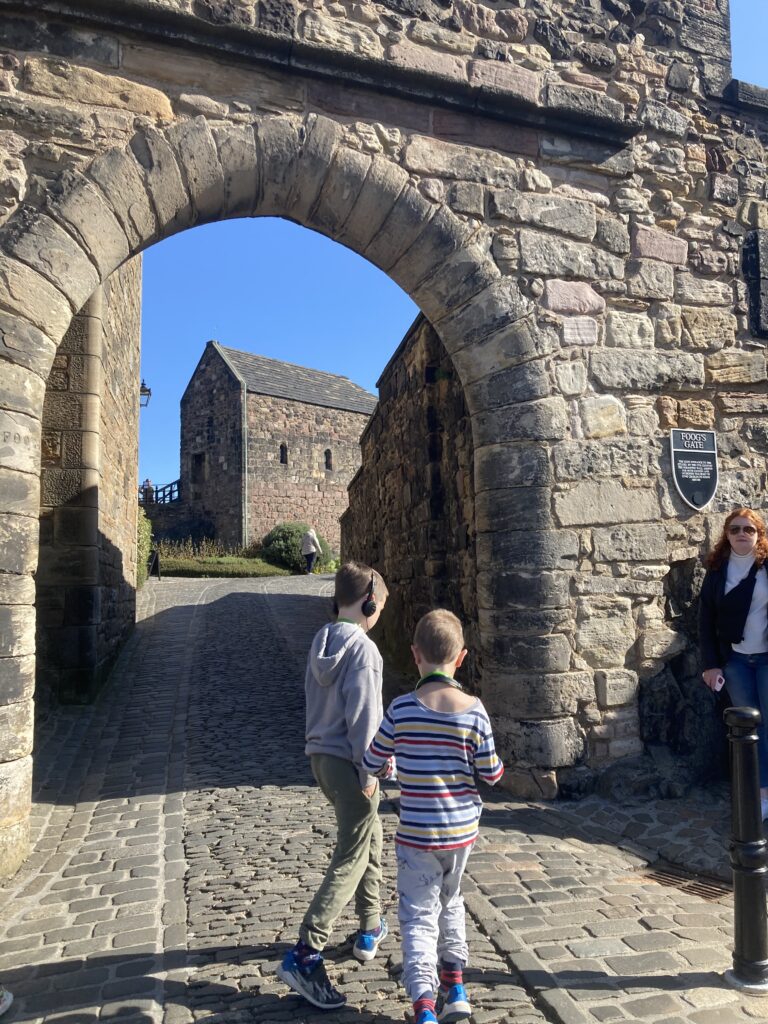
(264, 376)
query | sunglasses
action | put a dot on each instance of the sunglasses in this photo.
(749, 530)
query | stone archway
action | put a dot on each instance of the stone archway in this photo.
(55, 255)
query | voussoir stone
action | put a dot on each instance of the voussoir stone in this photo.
(443, 235)
(323, 135)
(119, 176)
(341, 188)
(27, 293)
(465, 274)
(236, 147)
(41, 243)
(164, 181)
(82, 209)
(490, 316)
(383, 184)
(515, 384)
(407, 218)
(198, 158)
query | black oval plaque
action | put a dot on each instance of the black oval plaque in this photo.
(694, 465)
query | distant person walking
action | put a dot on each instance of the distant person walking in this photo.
(733, 622)
(310, 548)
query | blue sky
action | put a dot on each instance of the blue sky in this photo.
(272, 287)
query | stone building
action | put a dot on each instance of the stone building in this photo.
(265, 442)
(573, 194)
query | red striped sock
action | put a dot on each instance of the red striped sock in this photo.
(451, 974)
(424, 1002)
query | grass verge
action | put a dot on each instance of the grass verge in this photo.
(219, 565)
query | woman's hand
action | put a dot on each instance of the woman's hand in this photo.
(711, 676)
(369, 791)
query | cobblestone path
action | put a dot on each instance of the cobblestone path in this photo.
(179, 838)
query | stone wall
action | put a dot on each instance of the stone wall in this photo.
(301, 489)
(89, 481)
(411, 506)
(118, 510)
(212, 451)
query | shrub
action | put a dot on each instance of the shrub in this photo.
(283, 545)
(143, 547)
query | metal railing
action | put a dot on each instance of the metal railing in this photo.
(151, 495)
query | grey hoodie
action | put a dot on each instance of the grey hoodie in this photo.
(343, 694)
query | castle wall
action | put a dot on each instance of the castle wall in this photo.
(86, 578)
(301, 489)
(212, 451)
(411, 505)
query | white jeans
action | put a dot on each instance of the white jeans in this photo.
(431, 913)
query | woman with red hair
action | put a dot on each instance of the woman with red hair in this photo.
(733, 621)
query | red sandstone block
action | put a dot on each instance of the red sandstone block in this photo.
(653, 244)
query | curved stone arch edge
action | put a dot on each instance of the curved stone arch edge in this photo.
(53, 256)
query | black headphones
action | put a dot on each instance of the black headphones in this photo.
(368, 606)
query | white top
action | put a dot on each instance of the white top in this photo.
(756, 627)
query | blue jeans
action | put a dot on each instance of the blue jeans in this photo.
(746, 676)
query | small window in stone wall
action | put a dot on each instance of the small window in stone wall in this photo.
(328, 459)
(198, 467)
(283, 454)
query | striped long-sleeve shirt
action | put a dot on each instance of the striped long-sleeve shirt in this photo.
(437, 754)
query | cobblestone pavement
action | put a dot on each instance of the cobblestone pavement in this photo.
(179, 838)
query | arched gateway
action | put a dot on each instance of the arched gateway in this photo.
(564, 192)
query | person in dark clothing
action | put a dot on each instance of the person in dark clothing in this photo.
(733, 622)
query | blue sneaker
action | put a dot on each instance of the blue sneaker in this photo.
(453, 1005)
(312, 983)
(367, 943)
(426, 1017)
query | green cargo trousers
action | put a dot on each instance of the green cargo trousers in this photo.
(355, 867)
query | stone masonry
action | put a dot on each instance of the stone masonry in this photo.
(86, 579)
(416, 483)
(288, 457)
(566, 191)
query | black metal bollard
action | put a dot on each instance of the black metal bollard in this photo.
(749, 855)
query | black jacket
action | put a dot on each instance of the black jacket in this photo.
(722, 616)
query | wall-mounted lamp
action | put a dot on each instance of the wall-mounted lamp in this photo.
(145, 394)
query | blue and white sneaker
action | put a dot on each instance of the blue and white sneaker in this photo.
(367, 943)
(425, 1017)
(453, 1005)
(312, 983)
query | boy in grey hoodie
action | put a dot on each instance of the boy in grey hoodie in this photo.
(344, 710)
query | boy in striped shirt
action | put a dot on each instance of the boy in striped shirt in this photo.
(438, 737)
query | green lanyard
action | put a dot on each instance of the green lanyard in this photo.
(439, 677)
